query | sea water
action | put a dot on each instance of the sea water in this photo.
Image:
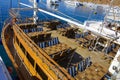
(4, 14)
(80, 14)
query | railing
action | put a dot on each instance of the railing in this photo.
(12, 13)
(8, 20)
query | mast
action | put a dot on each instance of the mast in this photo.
(35, 11)
(10, 3)
(18, 3)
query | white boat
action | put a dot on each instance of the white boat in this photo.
(113, 14)
(90, 5)
(4, 74)
(115, 63)
(100, 28)
(72, 3)
(114, 68)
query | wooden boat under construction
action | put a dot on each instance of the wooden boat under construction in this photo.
(39, 52)
(55, 50)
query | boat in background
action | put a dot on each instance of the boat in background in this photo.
(4, 74)
(115, 66)
(73, 3)
(110, 30)
(113, 14)
(54, 2)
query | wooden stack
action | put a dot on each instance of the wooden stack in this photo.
(70, 32)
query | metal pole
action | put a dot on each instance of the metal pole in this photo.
(10, 3)
(18, 3)
(35, 12)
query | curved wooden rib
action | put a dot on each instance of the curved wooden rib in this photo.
(41, 55)
(48, 65)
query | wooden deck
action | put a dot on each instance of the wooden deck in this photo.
(97, 57)
(95, 71)
(33, 34)
(100, 64)
(56, 48)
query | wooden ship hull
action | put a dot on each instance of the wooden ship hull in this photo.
(53, 50)
(18, 51)
(7, 39)
(37, 53)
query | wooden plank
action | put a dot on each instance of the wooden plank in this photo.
(56, 48)
(93, 72)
